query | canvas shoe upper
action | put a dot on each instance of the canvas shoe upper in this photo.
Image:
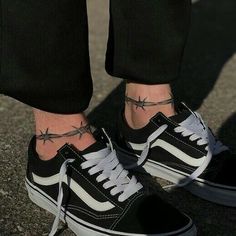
(182, 150)
(95, 195)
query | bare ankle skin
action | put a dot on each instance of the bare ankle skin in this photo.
(54, 130)
(144, 101)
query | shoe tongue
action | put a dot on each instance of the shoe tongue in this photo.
(98, 149)
(181, 116)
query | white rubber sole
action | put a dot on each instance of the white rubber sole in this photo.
(216, 193)
(83, 228)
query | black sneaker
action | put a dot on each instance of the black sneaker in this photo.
(95, 195)
(182, 150)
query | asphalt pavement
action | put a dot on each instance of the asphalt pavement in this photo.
(207, 84)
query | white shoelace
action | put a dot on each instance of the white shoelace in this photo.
(195, 128)
(62, 174)
(142, 158)
(106, 162)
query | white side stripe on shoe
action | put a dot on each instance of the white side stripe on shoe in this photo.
(77, 189)
(171, 149)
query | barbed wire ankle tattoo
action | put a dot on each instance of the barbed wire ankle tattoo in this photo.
(142, 103)
(80, 131)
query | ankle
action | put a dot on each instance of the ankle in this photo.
(48, 150)
(142, 103)
(54, 130)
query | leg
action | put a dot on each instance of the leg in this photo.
(44, 54)
(45, 64)
(147, 52)
(174, 144)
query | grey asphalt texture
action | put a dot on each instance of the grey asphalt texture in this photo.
(207, 84)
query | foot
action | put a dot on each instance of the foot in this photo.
(182, 150)
(94, 195)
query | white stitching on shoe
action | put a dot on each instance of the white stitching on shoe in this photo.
(93, 215)
(126, 209)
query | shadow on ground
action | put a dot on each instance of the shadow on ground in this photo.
(212, 42)
(228, 127)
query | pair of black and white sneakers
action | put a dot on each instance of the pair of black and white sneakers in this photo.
(93, 193)
(184, 151)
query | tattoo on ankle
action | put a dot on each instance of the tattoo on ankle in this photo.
(46, 136)
(78, 131)
(142, 103)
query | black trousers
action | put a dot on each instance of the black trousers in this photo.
(44, 48)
